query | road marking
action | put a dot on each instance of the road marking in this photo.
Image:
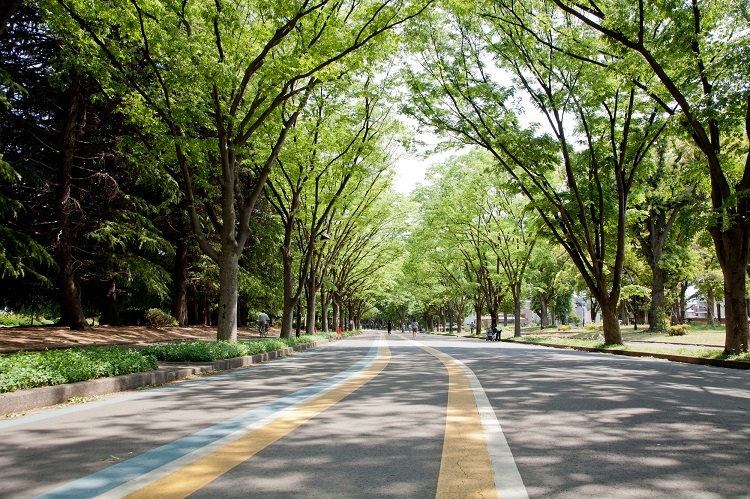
(206, 469)
(476, 460)
(125, 477)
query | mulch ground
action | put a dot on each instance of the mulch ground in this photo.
(35, 338)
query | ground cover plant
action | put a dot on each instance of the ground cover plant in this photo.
(55, 367)
(207, 351)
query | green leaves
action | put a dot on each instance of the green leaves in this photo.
(55, 367)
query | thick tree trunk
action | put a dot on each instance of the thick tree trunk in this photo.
(610, 323)
(735, 302)
(656, 315)
(227, 316)
(68, 280)
(543, 314)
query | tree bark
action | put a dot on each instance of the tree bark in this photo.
(734, 264)
(111, 313)
(290, 298)
(68, 279)
(180, 280)
(227, 317)
(311, 306)
(517, 309)
(610, 323)
(656, 315)
(543, 315)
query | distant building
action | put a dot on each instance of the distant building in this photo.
(697, 310)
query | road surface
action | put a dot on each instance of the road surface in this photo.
(385, 416)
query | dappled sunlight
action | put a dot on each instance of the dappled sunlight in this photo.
(657, 425)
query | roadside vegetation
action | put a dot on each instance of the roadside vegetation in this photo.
(699, 340)
(55, 367)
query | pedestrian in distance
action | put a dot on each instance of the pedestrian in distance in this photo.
(414, 328)
(497, 333)
(471, 326)
(263, 323)
(390, 326)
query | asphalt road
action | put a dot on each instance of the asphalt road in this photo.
(365, 417)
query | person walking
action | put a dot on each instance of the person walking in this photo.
(390, 326)
(414, 328)
(471, 326)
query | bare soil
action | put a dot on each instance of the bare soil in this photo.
(35, 338)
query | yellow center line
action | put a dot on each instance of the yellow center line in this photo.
(465, 466)
(205, 470)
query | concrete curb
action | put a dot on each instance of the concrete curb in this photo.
(46, 396)
(730, 364)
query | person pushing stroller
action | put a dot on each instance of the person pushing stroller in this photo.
(493, 333)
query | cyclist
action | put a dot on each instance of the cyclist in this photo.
(263, 323)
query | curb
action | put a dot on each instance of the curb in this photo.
(729, 364)
(46, 396)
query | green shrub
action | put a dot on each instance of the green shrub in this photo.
(594, 326)
(55, 367)
(157, 318)
(678, 330)
(563, 327)
(207, 351)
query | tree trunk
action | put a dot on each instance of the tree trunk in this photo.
(227, 317)
(336, 313)
(289, 301)
(710, 306)
(517, 310)
(656, 315)
(71, 313)
(735, 301)
(543, 315)
(312, 296)
(610, 323)
(180, 279)
(111, 313)
(325, 299)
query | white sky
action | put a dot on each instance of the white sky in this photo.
(409, 173)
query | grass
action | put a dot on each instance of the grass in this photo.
(593, 340)
(54, 367)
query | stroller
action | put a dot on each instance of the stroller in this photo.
(490, 334)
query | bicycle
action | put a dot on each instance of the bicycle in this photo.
(263, 328)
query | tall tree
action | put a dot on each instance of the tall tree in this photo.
(586, 214)
(226, 81)
(692, 59)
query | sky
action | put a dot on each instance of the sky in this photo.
(410, 171)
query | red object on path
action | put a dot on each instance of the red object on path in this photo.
(338, 331)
